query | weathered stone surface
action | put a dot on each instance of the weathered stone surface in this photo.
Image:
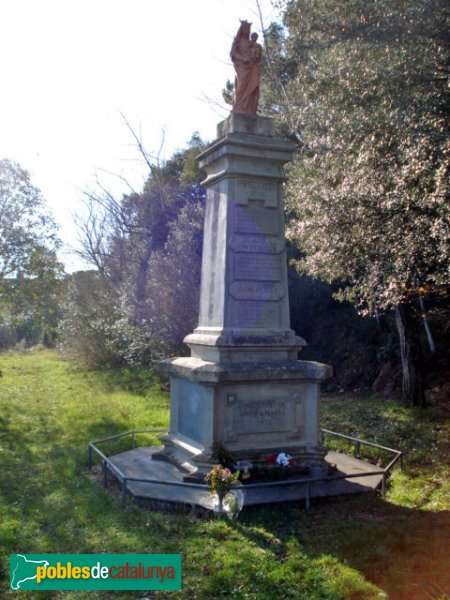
(249, 125)
(244, 270)
(203, 371)
(243, 387)
(139, 463)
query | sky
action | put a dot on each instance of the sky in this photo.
(71, 68)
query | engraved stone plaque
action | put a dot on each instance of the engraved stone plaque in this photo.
(256, 219)
(261, 416)
(257, 267)
(254, 189)
(280, 412)
(248, 313)
(256, 243)
(257, 290)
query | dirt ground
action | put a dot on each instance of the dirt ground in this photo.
(422, 571)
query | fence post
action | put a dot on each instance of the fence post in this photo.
(308, 498)
(124, 493)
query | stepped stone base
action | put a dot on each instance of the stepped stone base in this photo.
(250, 410)
(138, 463)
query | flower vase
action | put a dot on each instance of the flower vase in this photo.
(220, 496)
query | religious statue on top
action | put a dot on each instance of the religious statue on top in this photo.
(246, 55)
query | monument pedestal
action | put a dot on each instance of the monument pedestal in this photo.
(243, 388)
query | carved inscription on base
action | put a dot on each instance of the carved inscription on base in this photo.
(260, 416)
(281, 412)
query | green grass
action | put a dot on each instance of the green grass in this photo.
(421, 434)
(341, 549)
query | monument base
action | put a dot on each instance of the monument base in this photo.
(138, 463)
(242, 394)
(248, 410)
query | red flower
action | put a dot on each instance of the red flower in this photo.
(270, 459)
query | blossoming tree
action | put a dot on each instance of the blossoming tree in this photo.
(363, 88)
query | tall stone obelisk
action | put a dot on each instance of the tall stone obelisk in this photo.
(243, 388)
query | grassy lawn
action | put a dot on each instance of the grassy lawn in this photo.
(364, 547)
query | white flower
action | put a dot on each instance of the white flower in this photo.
(283, 459)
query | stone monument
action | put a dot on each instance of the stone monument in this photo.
(243, 389)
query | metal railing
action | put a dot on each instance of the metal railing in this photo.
(398, 455)
(108, 465)
(123, 479)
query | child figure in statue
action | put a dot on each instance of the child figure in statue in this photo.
(246, 55)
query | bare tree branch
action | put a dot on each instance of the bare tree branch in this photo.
(276, 81)
(154, 169)
(121, 177)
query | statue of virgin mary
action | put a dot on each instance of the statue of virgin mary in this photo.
(246, 57)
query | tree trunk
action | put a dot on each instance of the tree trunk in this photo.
(413, 385)
(141, 281)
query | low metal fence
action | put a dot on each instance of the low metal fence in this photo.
(307, 482)
(357, 442)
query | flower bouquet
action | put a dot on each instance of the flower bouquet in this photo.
(221, 480)
(276, 466)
